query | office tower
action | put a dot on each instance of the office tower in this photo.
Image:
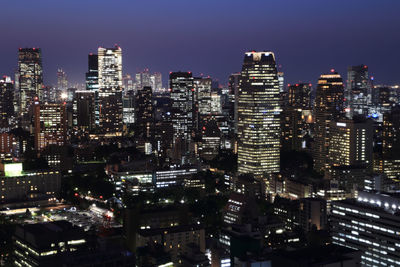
(157, 84)
(144, 117)
(6, 101)
(128, 83)
(234, 92)
(216, 105)
(92, 82)
(258, 115)
(128, 108)
(30, 81)
(296, 116)
(350, 152)
(163, 129)
(391, 134)
(210, 140)
(143, 79)
(50, 122)
(62, 82)
(110, 90)
(369, 224)
(299, 95)
(350, 142)
(359, 90)
(202, 87)
(281, 81)
(328, 107)
(84, 110)
(390, 161)
(182, 92)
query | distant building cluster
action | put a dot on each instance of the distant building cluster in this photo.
(249, 173)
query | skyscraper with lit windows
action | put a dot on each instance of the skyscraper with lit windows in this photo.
(182, 111)
(258, 115)
(110, 90)
(6, 101)
(30, 75)
(359, 89)
(50, 122)
(329, 106)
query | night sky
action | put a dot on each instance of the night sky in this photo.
(206, 36)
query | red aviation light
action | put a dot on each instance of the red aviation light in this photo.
(332, 70)
(310, 84)
(297, 84)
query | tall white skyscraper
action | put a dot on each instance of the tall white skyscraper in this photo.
(258, 115)
(110, 90)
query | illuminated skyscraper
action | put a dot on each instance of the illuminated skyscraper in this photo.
(50, 122)
(30, 82)
(92, 82)
(62, 82)
(258, 115)
(359, 89)
(182, 111)
(281, 81)
(328, 107)
(350, 142)
(296, 116)
(143, 79)
(6, 101)
(110, 90)
(390, 161)
(202, 100)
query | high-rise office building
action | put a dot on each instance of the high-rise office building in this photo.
(143, 79)
(359, 90)
(350, 142)
(328, 107)
(30, 81)
(92, 82)
(6, 101)
(84, 110)
(202, 98)
(110, 90)
(296, 116)
(128, 83)
(182, 92)
(144, 113)
(50, 122)
(234, 92)
(299, 96)
(157, 82)
(258, 115)
(128, 108)
(281, 81)
(369, 224)
(62, 82)
(390, 160)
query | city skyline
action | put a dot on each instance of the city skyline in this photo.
(305, 38)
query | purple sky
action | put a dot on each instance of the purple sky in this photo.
(209, 36)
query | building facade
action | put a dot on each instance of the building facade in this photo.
(258, 115)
